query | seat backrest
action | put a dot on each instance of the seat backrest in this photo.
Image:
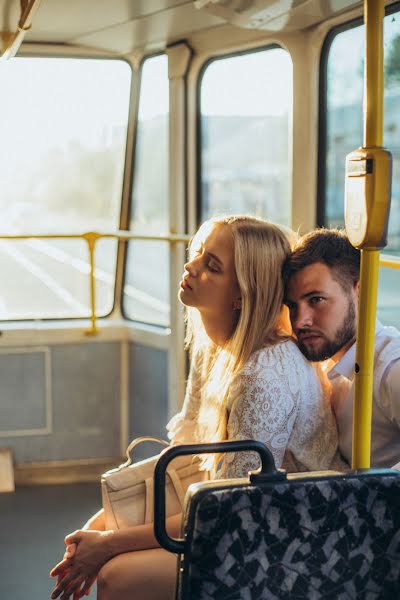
(304, 538)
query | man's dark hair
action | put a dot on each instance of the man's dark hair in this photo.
(330, 247)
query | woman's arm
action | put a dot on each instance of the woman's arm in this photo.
(96, 521)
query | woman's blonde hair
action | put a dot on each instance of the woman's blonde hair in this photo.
(260, 250)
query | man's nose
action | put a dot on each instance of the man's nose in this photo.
(302, 318)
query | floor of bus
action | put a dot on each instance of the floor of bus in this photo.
(33, 524)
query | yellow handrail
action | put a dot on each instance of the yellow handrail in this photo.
(91, 238)
(373, 138)
(393, 262)
(119, 235)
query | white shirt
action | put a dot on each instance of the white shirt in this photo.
(385, 439)
(277, 399)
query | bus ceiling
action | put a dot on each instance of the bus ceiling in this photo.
(123, 26)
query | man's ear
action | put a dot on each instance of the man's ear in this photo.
(357, 287)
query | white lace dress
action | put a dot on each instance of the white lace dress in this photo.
(277, 399)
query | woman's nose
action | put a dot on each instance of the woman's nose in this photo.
(190, 268)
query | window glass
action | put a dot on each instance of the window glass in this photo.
(344, 133)
(246, 108)
(146, 289)
(63, 131)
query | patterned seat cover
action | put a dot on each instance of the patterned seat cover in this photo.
(333, 538)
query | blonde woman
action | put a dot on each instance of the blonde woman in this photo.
(248, 379)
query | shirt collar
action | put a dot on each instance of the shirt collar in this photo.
(345, 366)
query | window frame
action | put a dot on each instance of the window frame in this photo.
(136, 322)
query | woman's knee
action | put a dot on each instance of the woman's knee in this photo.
(149, 574)
(108, 579)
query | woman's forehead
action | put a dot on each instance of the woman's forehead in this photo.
(216, 238)
(218, 234)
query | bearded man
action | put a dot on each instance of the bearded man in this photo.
(322, 285)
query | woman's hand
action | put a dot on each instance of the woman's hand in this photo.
(86, 553)
(86, 589)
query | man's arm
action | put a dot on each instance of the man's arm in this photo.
(389, 398)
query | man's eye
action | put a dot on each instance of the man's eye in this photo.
(316, 299)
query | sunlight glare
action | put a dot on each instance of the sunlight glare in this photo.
(256, 84)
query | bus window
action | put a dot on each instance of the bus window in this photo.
(343, 132)
(146, 288)
(63, 134)
(245, 129)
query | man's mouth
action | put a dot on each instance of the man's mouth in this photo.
(308, 337)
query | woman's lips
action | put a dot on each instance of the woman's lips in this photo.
(185, 285)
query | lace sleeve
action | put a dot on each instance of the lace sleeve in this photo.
(264, 408)
(183, 427)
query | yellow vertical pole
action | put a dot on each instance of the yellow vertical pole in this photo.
(373, 137)
(374, 13)
(91, 239)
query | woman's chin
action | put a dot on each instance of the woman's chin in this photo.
(183, 298)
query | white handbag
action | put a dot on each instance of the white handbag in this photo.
(128, 490)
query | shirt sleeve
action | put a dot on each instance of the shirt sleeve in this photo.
(264, 409)
(183, 427)
(389, 397)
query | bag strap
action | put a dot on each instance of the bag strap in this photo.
(139, 440)
(149, 498)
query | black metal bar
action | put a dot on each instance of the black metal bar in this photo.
(160, 532)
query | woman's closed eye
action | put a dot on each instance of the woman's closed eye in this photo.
(209, 261)
(212, 267)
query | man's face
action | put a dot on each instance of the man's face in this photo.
(322, 313)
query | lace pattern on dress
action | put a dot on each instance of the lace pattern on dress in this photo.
(277, 399)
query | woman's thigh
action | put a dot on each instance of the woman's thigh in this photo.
(144, 575)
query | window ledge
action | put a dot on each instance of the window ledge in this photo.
(36, 333)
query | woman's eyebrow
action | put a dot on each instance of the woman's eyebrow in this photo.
(215, 257)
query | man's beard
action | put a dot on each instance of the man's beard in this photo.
(343, 336)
